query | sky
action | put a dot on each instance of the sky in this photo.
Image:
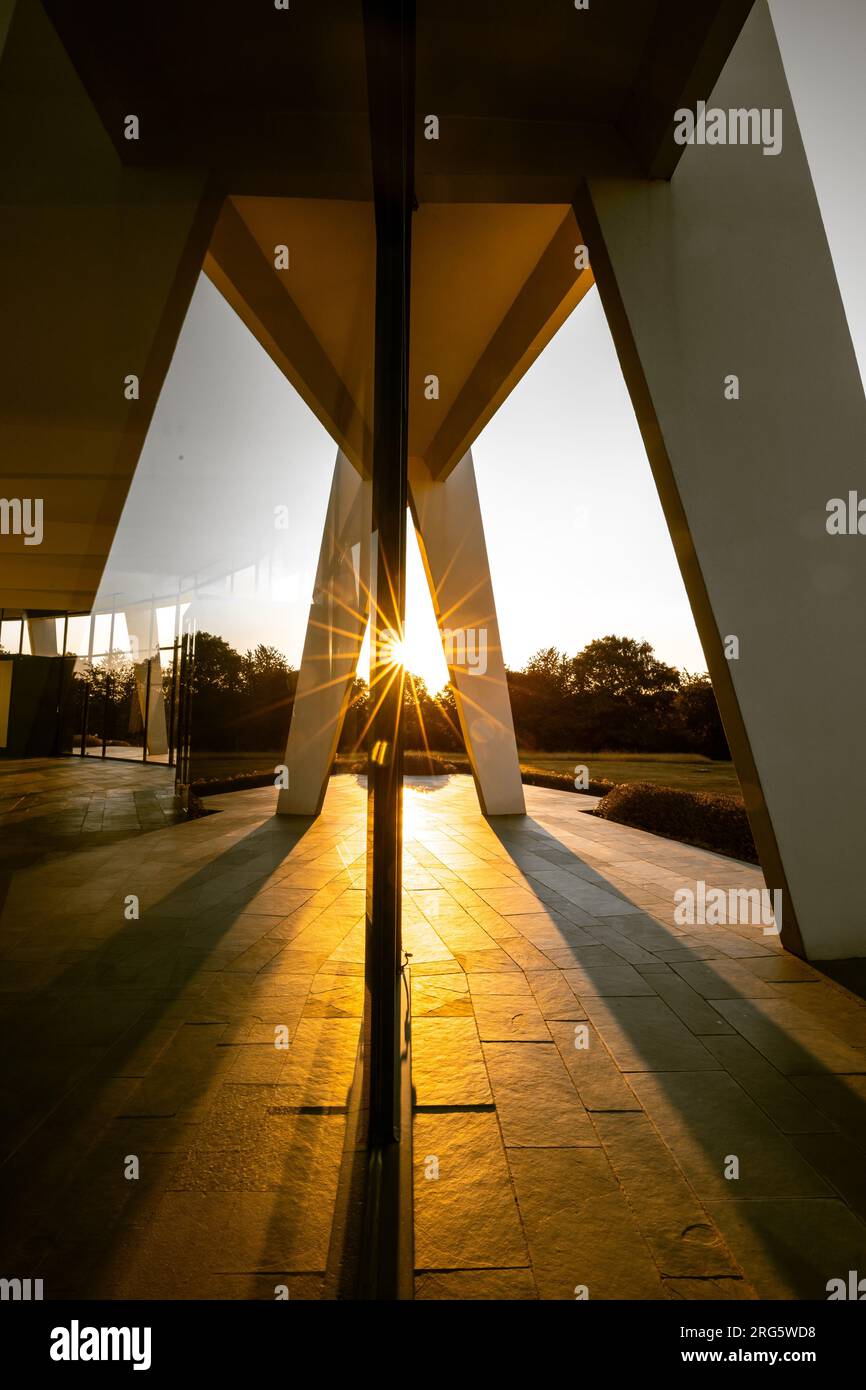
(577, 542)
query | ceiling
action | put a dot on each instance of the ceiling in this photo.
(254, 132)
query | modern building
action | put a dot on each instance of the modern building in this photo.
(403, 203)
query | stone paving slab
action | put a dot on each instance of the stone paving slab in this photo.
(536, 1102)
(581, 1231)
(466, 1215)
(478, 1285)
(841, 1098)
(448, 1064)
(708, 1121)
(646, 1035)
(792, 1248)
(774, 1093)
(682, 1047)
(507, 1017)
(683, 1241)
(583, 1066)
(596, 1077)
(790, 1039)
(156, 1038)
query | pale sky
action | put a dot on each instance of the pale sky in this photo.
(577, 542)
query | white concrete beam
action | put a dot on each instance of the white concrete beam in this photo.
(726, 272)
(451, 538)
(43, 636)
(338, 620)
(142, 628)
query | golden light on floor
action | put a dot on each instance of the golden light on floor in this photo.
(419, 808)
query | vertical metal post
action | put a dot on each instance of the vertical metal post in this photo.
(105, 697)
(109, 679)
(146, 712)
(172, 710)
(187, 714)
(86, 704)
(181, 711)
(377, 1241)
(58, 734)
(390, 57)
(184, 711)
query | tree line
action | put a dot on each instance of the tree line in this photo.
(614, 694)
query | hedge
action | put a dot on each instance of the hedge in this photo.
(232, 782)
(560, 781)
(417, 764)
(414, 765)
(709, 820)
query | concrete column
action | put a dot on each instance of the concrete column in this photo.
(451, 537)
(725, 272)
(338, 620)
(141, 626)
(43, 636)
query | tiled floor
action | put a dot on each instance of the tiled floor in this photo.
(542, 1167)
(153, 1038)
(51, 804)
(590, 1076)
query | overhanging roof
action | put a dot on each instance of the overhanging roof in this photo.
(254, 131)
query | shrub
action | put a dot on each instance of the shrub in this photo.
(426, 765)
(709, 820)
(231, 782)
(415, 765)
(559, 781)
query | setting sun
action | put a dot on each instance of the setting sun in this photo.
(420, 650)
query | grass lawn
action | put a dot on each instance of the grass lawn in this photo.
(688, 770)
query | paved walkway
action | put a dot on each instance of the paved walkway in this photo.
(540, 1166)
(50, 804)
(154, 1039)
(543, 1168)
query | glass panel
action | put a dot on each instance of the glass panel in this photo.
(78, 635)
(237, 538)
(10, 635)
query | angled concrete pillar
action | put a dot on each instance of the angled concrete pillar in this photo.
(43, 636)
(141, 626)
(72, 423)
(451, 536)
(450, 531)
(725, 272)
(338, 620)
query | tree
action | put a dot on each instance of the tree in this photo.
(357, 714)
(217, 666)
(548, 668)
(267, 685)
(614, 694)
(699, 714)
(621, 667)
(543, 717)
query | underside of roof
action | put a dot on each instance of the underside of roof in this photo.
(252, 134)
